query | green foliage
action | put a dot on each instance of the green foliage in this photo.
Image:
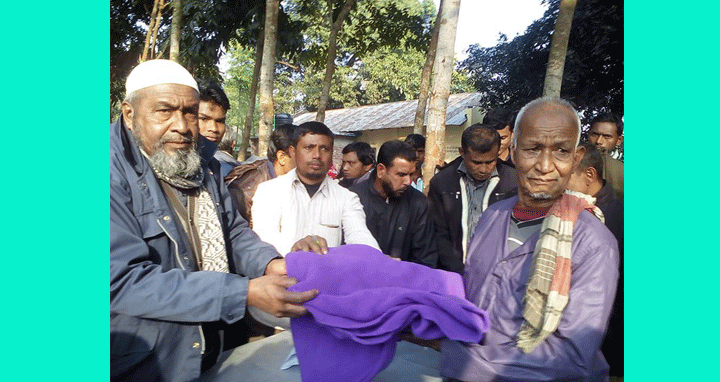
(381, 51)
(238, 80)
(512, 72)
(208, 25)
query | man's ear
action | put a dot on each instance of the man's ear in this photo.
(282, 157)
(380, 170)
(591, 174)
(512, 153)
(620, 140)
(367, 168)
(127, 114)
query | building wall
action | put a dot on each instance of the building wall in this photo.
(340, 142)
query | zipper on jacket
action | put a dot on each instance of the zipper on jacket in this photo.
(175, 244)
(202, 340)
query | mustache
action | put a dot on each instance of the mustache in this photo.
(176, 139)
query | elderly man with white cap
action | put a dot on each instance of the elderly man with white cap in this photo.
(183, 262)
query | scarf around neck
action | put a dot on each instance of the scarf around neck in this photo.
(548, 286)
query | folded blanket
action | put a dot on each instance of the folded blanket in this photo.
(366, 299)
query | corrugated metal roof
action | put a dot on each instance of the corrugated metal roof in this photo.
(389, 115)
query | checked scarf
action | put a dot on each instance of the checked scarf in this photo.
(548, 287)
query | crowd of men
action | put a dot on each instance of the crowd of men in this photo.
(530, 216)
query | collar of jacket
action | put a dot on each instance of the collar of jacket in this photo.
(137, 160)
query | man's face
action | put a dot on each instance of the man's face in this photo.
(480, 165)
(604, 136)
(313, 157)
(546, 154)
(165, 116)
(352, 167)
(211, 120)
(395, 180)
(420, 155)
(505, 138)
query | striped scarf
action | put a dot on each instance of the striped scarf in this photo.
(548, 286)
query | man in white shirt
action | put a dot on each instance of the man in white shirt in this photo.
(304, 209)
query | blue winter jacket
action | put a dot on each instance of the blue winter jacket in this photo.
(158, 298)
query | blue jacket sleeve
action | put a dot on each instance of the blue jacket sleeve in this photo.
(143, 284)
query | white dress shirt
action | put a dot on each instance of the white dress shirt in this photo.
(284, 213)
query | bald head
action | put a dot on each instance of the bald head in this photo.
(554, 105)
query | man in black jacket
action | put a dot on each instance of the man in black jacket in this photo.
(588, 179)
(397, 215)
(461, 191)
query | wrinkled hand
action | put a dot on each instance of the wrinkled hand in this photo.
(311, 243)
(270, 294)
(276, 267)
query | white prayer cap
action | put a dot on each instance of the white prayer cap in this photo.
(156, 72)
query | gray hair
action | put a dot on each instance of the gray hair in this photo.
(131, 98)
(540, 101)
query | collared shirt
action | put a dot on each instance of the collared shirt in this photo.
(475, 191)
(418, 184)
(284, 213)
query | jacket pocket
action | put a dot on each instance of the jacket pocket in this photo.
(132, 353)
(149, 224)
(130, 340)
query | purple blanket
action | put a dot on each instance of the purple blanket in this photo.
(366, 299)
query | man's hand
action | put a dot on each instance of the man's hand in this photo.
(409, 337)
(276, 267)
(270, 294)
(311, 243)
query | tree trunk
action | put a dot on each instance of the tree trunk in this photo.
(419, 125)
(176, 30)
(442, 75)
(330, 68)
(253, 95)
(267, 72)
(151, 29)
(558, 49)
(156, 27)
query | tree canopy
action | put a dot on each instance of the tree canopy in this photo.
(380, 54)
(208, 26)
(381, 49)
(512, 72)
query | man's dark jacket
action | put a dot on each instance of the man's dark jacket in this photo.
(403, 228)
(158, 298)
(613, 209)
(446, 200)
(242, 182)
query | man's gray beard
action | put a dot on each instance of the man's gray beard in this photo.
(542, 196)
(183, 163)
